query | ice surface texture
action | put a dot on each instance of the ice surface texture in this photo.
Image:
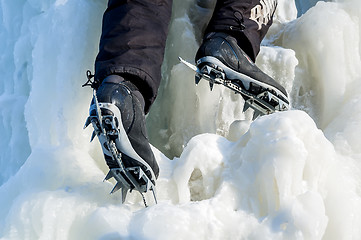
(290, 175)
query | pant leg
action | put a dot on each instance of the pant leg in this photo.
(246, 20)
(132, 43)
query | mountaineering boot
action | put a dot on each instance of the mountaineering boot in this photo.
(220, 58)
(117, 115)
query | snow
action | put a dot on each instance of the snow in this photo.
(289, 175)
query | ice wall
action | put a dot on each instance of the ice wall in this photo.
(290, 175)
(14, 89)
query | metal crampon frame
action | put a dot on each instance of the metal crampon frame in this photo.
(266, 102)
(127, 178)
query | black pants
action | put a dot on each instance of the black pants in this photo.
(134, 34)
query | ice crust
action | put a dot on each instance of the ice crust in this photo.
(289, 175)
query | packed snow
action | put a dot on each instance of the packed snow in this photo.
(289, 175)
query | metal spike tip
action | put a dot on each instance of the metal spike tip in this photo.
(197, 79)
(87, 122)
(245, 106)
(116, 188)
(124, 194)
(93, 136)
(108, 176)
(256, 114)
(211, 85)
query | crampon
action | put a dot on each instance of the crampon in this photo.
(265, 101)
(127, 178)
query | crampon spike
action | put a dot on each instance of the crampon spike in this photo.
(197, 79)
(211, 84)
(124, 194)
(267, 102)
(116, 188)
(245, 106)
(87, 122)
(93, 136)
(129, 179)
(256, 114)
(108, 176)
